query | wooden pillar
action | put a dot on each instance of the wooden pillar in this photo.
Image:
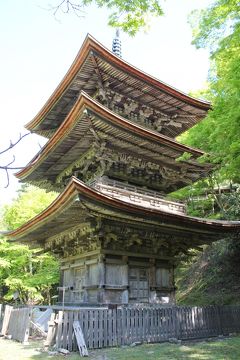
(173, 293)
(152, 281)
(125, 294)
(102, 278)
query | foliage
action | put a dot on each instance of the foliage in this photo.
(212, 276)
(209, 198)
(218, 28)
(30, 201)
(184, 157)
(28, 273)
(213, 24)
(130, 16)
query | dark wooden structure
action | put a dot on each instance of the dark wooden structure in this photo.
(112, 156)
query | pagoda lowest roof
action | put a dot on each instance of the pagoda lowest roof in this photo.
(79, 202)
(95, 66)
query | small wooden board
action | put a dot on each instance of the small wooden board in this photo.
(42, 320)
(80, 339)
(6, 319)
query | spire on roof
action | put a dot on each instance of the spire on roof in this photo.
(116, 44)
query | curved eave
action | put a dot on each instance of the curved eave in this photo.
(86, 102)
(77, 187)
(90, 44)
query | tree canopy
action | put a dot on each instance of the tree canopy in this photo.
(25, 273)
(130, 16)
(218, 28)
(29, 202)
(211, 277)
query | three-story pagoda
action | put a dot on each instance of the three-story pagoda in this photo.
(112, 156)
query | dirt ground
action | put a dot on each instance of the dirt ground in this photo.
(211, 349)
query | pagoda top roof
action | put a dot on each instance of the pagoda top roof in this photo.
(95, 66)
(79, 201)
(87, 123)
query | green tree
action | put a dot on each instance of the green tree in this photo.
(29, 273)
(130, 16)
(218, 28)
(29, 202)
(211, 277)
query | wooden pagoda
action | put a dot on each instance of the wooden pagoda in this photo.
(112, 156)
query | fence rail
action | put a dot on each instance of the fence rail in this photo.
(105, 327)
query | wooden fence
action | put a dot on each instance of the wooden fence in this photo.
(16, 323)
(105, 327)
(6, 318)
(19, 324)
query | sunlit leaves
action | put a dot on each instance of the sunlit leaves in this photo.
(29, 202)
(218, 28)
(27, 272)
(130, 16)
(214, 23)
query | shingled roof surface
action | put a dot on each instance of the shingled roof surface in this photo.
(94, 64)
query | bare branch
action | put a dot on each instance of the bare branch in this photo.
(67, 6)
(15, 143)
(11, 168)
(11, 162)
(7, 174)
(8, 166)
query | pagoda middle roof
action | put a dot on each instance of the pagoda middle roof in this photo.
(79, 201)
(89, 122)
(95, 66)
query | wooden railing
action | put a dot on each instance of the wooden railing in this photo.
(137, 195)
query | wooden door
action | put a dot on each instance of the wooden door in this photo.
(138, 284)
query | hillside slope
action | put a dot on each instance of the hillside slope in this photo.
(211, 277)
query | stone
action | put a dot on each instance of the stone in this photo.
(63, 351)
(174, 341)
(233, 334)
(136, 343)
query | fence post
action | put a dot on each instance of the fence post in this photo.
(1, 312)
(6, 318)
(219, 315)
(177, 322)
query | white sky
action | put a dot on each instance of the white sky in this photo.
(37, 50)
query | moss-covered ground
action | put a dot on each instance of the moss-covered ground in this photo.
(211, 277)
